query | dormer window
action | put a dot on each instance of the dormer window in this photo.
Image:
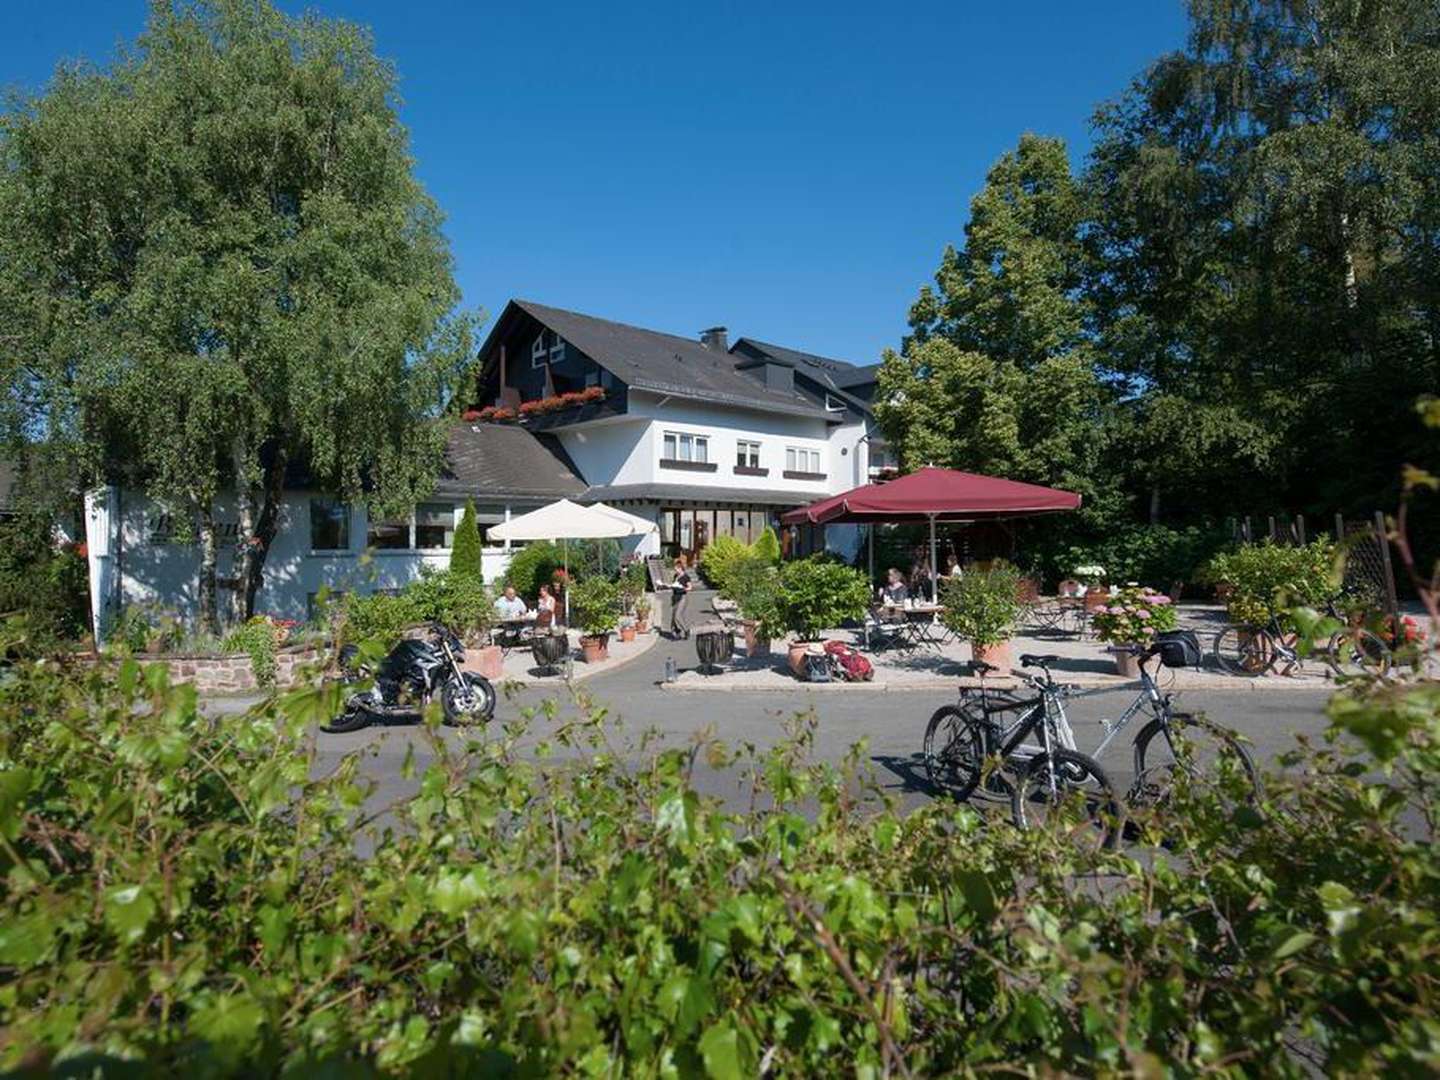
(833, 404)
(539, 354)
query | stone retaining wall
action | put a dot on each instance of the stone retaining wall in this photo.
(230, 673)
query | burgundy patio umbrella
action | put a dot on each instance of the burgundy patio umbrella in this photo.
(934, 495)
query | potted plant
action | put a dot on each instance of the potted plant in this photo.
(633, 580)
(1092, 576)
(595, 607)
(752, 584)
(1133, 617)
(814, 595)
(627, 629)
(982, 608)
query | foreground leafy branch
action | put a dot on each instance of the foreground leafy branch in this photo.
(196, 895)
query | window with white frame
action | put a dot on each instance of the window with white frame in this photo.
(802, 459)
(329, 525)
(539, 354)
(557, 348)
(833, 404)
(685, 446)
(430, 527)
(747, 455)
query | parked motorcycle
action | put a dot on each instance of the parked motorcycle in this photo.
(413, 675)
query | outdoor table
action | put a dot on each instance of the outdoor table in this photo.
(918, 621)
(509, 632)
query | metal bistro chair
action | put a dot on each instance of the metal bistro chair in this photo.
(888, 628)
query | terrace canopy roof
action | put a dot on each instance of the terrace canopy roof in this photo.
(932, 494)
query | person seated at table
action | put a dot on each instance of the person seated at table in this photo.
(895, 591)
(952, 566)
(545, 601)
(922, 587)
(510, 606)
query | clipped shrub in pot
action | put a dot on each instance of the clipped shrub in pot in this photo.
(814, 595)
(982, 607)
(1264, 578)
(753, 585)
(595, 608)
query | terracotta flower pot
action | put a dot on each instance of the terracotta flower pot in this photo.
(487, 660)
(755, 645)
(627, 633)
(997, 655)
(594, 649)
(796, 657)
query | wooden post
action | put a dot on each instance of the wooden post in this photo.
(1339, 528)
(1391, 599)
(1273, 536)
(1300, 528)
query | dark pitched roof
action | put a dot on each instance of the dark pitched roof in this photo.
(666, 363)
(695, 493)
(838, 374)
(498, 459)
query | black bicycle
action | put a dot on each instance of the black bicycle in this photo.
(982, 738)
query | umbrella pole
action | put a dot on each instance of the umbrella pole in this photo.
(934, 568)
(872, 556)
(565, 557)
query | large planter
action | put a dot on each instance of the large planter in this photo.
(549, 649)
(487, 660)
(997, 655)
(1127, 664)
(796, 657)
(595, 648)
(714, 645)
(1223, 591)
(627, 633)
(1096, 597)
(755, 645)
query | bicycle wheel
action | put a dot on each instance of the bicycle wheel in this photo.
(1242, 650)
(1193, 751)
(954, 751)
(1065, 785)
(1356, 651)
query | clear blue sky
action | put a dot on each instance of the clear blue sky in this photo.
(792, 174)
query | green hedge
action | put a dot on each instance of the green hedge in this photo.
(190, 898)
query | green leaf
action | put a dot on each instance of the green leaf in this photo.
(15, 784)
(128, 911)
(1294, 943)
(720, 1050)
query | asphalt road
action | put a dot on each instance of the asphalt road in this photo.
(892, 721)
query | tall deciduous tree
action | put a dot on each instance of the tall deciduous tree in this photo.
(998, 375)
(216, 265)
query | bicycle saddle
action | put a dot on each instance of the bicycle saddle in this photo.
(1031, 660)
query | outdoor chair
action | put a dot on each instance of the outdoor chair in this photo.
(888, 628)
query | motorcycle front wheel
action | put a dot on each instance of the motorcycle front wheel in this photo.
(352, 719)
(468, 700)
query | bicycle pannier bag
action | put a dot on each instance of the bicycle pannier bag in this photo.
(817, 668)
(1179, 648)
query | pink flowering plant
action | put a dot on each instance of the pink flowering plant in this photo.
(1134, 615)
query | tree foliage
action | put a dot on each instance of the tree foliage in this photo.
(466, 557)
(217, 264)
(1241, 286)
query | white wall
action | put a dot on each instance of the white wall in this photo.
(725, 426)
(154, 569)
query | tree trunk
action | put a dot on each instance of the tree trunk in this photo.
(1154, 504)
(209, 559)
(259, 528)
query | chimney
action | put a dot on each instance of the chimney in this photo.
(714, 339)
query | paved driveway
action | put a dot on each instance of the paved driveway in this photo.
(893, 722)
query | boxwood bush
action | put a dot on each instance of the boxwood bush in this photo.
(186, 897)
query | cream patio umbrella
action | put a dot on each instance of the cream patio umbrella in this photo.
(565, 521)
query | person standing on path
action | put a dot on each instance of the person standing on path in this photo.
(680, 587)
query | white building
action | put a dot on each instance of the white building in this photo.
(705, 439)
